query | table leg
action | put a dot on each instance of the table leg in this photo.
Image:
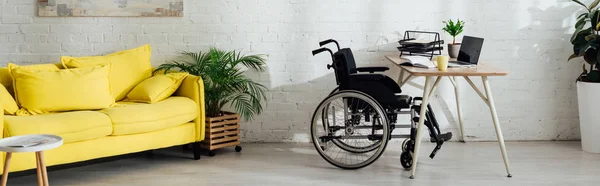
(6, 166)
(401, 78)
(420, 126)
(492, 106)
(458, 109)
(39, 170)
(43, 168)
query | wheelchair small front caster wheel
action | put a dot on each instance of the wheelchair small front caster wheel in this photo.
(238, 148)
(211, 153)
(406, 160)
(404, 145)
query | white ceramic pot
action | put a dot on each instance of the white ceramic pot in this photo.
(589, 117)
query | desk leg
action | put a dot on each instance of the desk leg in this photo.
(492, 106)
(420, 127)
(458, 109)
(401, 78)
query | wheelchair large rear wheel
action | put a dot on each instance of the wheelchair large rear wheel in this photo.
(343, 124)
(361, 148)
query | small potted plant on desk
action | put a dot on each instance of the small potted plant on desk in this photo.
(454, 29)
(586, 44)
(224, 85)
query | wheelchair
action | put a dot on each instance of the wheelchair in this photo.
(351, 128)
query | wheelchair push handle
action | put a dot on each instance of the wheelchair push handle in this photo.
(322, 43)
(320, 50)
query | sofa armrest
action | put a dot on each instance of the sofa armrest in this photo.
(193, 88)
(2, 135)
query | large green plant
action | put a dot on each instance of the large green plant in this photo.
(586, 41)
(454, 28)
(224, 81)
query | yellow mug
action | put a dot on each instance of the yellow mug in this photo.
(442, 63)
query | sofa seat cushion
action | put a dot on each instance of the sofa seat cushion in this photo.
(135, 118)
(71, 126)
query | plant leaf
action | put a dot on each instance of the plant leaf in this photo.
(580, 23)
(593, 76)
(573, 56)
(594, 16)
(583, 15)
(591, 37)
(580, 3)
(594, 4)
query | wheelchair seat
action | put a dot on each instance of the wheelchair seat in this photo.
(403, 101)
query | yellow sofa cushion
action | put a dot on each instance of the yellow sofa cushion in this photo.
(134, 118)
(8, 102)
(44, 91)
(128, 68)
(156, 88)
(71, 126)
(7, 80)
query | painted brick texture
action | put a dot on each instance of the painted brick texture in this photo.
(530, 38)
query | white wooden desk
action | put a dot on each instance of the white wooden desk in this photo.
(483, 71)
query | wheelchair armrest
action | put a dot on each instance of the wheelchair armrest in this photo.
(366, 77)
(372, 69)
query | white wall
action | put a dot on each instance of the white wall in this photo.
(527, 37)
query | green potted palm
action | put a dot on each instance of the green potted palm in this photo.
(586, 44)
(454, 29)
(225, 85)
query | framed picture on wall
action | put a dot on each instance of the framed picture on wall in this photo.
(110, 8)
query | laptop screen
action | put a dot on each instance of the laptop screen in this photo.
(470, 49)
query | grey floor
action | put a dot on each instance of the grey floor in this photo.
(480, 164)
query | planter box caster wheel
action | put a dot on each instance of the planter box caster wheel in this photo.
(238, 148)
(211, 153)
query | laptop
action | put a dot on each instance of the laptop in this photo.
(470, 50)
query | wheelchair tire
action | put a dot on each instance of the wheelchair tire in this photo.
(345, 146)
(406, 160)
(322, 135)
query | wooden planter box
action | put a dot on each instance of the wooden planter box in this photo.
(221, 132)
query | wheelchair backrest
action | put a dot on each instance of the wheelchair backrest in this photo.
(344, 65)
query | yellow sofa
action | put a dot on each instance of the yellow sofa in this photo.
(126, 128)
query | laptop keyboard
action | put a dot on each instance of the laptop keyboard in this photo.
(460, 63)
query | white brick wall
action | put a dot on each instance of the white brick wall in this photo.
(537, 101)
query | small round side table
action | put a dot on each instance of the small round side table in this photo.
(37, 143)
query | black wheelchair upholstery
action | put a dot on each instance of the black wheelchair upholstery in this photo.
(379, 86)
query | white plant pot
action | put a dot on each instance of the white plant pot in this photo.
(589, 117)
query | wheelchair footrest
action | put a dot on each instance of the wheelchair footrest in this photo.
(443, 137)
(438, 147)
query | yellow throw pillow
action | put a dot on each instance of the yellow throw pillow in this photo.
(128, 68)
(156, 88)
(45, 91)
(9, 104)
(5, 75)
